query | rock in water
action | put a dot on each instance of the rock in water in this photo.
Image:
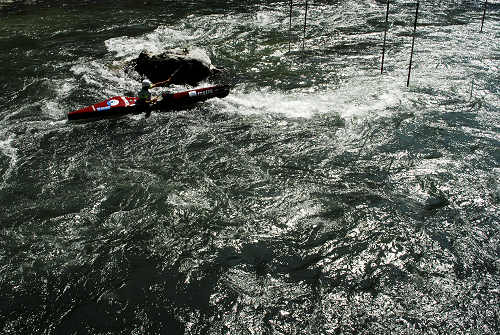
(194, 66)
(436, 202)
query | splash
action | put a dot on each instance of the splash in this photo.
(349, 101)
(158, 41)
(10, 151)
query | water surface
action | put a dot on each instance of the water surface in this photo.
(319, 197)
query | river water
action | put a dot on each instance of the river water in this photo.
(319, 197)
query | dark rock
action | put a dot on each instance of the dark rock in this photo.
(193, 66)
(436, 202)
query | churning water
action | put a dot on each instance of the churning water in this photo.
(319, 197)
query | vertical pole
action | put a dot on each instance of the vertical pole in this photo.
(471, 89)
(484, 14)
(305, 25)
(413, 44)
(385, 37)
(290, 28)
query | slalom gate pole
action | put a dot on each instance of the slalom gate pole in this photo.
(305, 26)
(471, 89)
(290, 28)
(484, 14)
(413, 44)
(385, 37)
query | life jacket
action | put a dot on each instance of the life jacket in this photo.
(144, 94)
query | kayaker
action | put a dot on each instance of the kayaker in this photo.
(144, 102)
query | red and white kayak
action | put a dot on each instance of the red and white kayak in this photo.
(117, 106)
(110, 107)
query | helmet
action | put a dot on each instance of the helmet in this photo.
(146, 83)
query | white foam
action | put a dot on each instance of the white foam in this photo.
(56, 107)
(160, 40)
(109, 80)
(351, 100)
(8, 150)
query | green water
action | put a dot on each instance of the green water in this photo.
(319, 197)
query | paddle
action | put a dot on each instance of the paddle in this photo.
(166, 82)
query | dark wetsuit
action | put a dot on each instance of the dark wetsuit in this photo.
(142, 104)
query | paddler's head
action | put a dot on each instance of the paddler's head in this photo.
(146, 83)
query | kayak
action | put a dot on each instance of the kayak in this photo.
(121, 105)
